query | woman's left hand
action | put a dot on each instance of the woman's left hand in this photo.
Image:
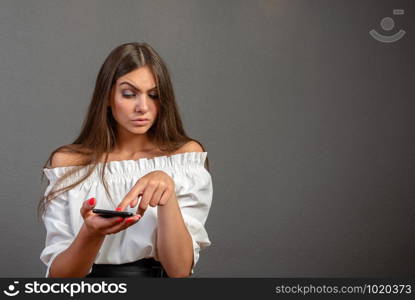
(156, 188)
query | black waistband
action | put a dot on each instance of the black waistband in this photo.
(146, 267)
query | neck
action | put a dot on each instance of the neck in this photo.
(129, 144)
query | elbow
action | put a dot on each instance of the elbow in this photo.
(180, 275)
(178, 271)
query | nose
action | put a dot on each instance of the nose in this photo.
(142, 103)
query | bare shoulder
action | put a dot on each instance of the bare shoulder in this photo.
(66, 159)
(190, 146)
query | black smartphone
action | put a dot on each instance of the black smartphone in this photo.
(112, 213)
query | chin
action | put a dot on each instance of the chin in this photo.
(142, 129)
(139, 129)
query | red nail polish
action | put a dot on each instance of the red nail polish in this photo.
(91, 201)
(118, 209)
(120, 219)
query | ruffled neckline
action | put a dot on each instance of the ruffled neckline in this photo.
(132, 166)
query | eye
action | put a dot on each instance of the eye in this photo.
(154, 96)
(128, 95)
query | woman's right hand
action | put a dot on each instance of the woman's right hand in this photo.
(100, 226)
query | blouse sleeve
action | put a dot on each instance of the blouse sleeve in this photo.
(59, 235)
(194, 200)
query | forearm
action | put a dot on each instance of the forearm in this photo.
(174, 243)
(79, 257)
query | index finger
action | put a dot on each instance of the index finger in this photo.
(131, 195)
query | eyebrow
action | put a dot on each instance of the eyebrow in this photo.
(134, 87)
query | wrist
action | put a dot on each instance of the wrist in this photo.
(91, 234)
(171, 203)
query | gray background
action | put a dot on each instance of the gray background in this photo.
(308, 122)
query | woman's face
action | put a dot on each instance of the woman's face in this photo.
(134, 96)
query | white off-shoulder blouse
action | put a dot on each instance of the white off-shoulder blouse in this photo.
(62, 220)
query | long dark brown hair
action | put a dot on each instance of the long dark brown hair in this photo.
(98, 135)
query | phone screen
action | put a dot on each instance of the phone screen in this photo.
(112, 213)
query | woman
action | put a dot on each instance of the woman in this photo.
(132, 154)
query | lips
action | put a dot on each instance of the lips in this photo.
(140, 122)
